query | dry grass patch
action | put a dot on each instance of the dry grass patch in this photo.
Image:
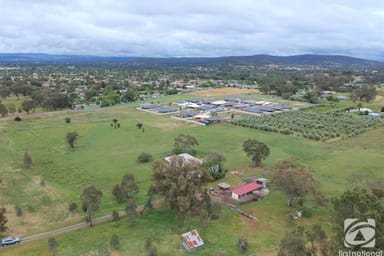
(379, 99)
(223, 91)
(44, 210)
(171, 124)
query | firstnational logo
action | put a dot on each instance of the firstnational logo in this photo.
(359, 233)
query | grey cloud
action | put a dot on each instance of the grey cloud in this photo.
(192, 28)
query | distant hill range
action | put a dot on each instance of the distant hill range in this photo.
(256, 60)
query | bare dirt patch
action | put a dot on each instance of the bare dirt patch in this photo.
(223, 91)
(44, 210)
(379, 99)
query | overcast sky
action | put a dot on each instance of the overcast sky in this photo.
(193, 28)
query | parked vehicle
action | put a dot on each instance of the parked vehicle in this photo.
(10, 240)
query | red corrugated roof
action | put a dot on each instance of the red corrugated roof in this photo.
(192, 239)
(242, 190)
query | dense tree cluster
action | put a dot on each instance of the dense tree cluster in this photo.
(359, 205)
(213, 162)
(126, 192)
(311, 242)
(294, 179)
(362, 205)
(364, 93)
(90, 202)
(180, 183)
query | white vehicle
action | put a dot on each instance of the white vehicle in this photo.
(10, 240)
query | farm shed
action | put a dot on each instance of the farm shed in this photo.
(245, 190)
(262, 181)
(192, 240)
(224, 186)
(187, 158)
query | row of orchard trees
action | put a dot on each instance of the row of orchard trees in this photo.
(316, 126)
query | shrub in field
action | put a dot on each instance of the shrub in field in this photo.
(19, 211)
(71, 138)
(144, 158)
(115, 215)
(3, 220)
(72, 208)
(114, 242)
(52, 245)
(27, 160)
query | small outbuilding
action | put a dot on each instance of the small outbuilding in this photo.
(262, 181)
(246, 190)
(187, 158)
(192, 240)
(224, 186)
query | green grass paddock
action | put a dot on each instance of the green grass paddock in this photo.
(103, 154)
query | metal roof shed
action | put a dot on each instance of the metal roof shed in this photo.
(192, 240)
(242, 191)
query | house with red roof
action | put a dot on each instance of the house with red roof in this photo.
(246, 190)
(192, 240)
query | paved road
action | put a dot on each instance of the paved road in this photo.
(103, 219)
